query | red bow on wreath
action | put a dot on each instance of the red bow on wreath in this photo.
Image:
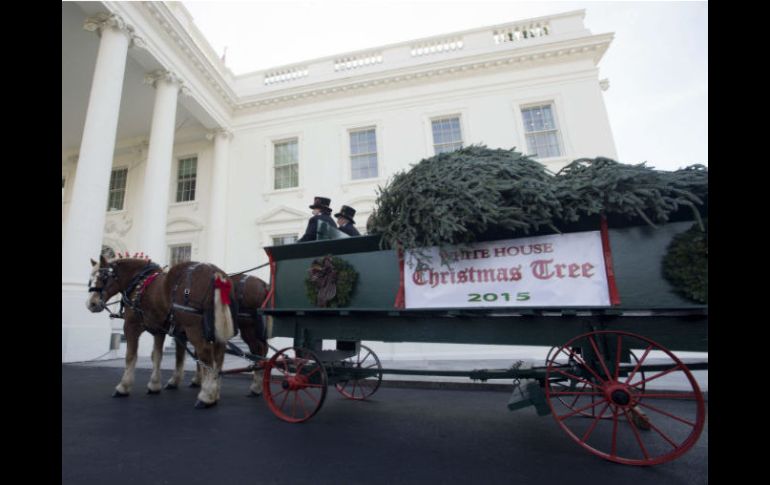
(324, 278)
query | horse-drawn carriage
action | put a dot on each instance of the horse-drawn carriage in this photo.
(594, 294)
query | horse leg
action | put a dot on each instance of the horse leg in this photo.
(132, 332)
(207, 396)
(153, 387)
(219, 358)
(196, 380)
(256, 347)
(176, 378)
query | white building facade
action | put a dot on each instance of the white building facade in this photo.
(165, 151)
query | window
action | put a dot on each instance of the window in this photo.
(447, 136)
(286, 163)
(284, 239)
(117, 189)
(363, 154)
(541, 131)
(186, 177)
(180, 254)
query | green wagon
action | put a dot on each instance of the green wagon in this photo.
(607, 380)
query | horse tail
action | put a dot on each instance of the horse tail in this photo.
(224, 328)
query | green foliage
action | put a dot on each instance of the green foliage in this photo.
(345, 281)
(685, 265)
(453, 198)
(604, 186)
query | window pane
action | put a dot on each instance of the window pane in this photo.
(363, 154)
(447, 135)
(180, 254)
(117, 189)
(285, 239)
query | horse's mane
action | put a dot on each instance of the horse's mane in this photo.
(127, 258)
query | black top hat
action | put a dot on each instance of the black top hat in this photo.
(347, 212)
(321, 203)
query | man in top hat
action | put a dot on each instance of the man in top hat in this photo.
(321, 212)
(345, 221)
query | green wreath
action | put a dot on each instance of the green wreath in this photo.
(330, 282)
(685, 265)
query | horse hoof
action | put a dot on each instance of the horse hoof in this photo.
(119, 394)
(194, 385)
(253, 394)
(171, 387)
(150, 391)
(202, 405)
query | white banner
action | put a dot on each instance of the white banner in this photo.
(560, 270)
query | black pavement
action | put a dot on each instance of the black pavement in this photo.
(419, 436)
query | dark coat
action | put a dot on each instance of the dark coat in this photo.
(312, 226)
(349, 229)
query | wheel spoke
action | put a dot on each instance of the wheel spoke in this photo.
(653, 408)
(583, 363)
(639, 363)
(617, 358)
(661, 433)
(576, 398)
(593, 425)
(658, 395)
(659, 374)
(286, 396)
(311, 396)
(576, 411)
(571, 376)
(636, 435)
(600, 357)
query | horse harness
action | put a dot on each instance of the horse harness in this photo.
(195, 308)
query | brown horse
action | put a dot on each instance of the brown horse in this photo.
(191, 301)
(250, 293)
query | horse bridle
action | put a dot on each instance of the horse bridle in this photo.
(106, 273)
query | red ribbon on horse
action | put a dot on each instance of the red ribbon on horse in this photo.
(224, 287)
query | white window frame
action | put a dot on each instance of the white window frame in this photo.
(347, 169)
(557, 102)
(284, 235)
(176, 179)
(272, 141)
(171, 248)
(125, 190)
(450, 112)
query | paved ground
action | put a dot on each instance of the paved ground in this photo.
(400, 436)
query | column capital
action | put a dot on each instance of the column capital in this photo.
(219, 132)
(153, 77)
(102, 21)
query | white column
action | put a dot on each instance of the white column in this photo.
(86, 335)
(217, 222)
(157, 175)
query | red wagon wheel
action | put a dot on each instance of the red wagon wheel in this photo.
(647, 425)
(294, 384)
(574, 385)
(362, 388)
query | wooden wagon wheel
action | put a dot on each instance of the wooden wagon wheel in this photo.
(573, 385)
(675, 419)
(294, 384)
(363, 387)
